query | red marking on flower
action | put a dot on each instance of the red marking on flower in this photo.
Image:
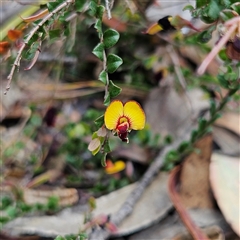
(122, 118)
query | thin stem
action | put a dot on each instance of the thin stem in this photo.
(173, 181)
(178, 71)
(30, 35)
(108, 9)
(105, 67)
(216, 49)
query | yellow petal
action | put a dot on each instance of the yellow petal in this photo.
(117, 167)
(113, 112)
(134, 112)
(153, 29)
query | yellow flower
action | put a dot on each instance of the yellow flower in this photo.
(122, 118)
(116, 167)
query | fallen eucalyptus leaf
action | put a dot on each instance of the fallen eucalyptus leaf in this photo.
(224, 178)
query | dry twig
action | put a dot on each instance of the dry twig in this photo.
(30, 35)
(172, 185)
(108, 9)
(179, 74)
(233, 24)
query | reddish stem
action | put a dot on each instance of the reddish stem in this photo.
(195, 231)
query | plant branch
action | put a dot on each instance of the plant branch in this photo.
(108, 9)
(30, 35)
(179, 74)
(233, 24)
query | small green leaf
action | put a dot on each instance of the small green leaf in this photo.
(202, 123)
(223, 82)
(98, 26)
(55, 33)
(59, 238)
(100, 11)
(194, 135)
(168, 139)
(4, 220)
(98, 51)
(214, 10)
(53, 203)
(94, 135)
(33, 39)
(96, 150)
(231, 76)
(103, 160)
(206, 35)
(223, 55)
(12, 211)
(226, 15)
(106, 147)
(79, 4)
(113, 89)
(183, 146)
(93, 8)
(172, 156)
(99, 121)
(188, 7)
(110, 38)
(201, 3)
(215, 117)
(236, 7)
(67, 31)
(212, 107)
(29, 54)
(83, 236)
(52, 5)
(107, 99)
(103, 77)
(113, 62)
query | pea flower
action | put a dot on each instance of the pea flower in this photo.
(122, 118)
(113, 168)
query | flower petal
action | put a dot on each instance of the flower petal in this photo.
(117, 167)
(153, 29)
(134, 112)
(113, 112)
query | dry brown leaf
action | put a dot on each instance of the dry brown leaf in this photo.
(225, 182)
(162, 110)
(115, 23)
(213, 232)
(226, 140)
(132, 152)
(67, 196)
(195, 185)
(229, 120)
(71, 220)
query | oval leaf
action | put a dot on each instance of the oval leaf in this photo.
(98, 51)
(114, 90)
(100, 11)
(224, 179)
(99, 121)
(80, 5)
(94, 144)
(113, 62)
(102, 132)
(110, 38)
(98, 26)
(103, 77)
